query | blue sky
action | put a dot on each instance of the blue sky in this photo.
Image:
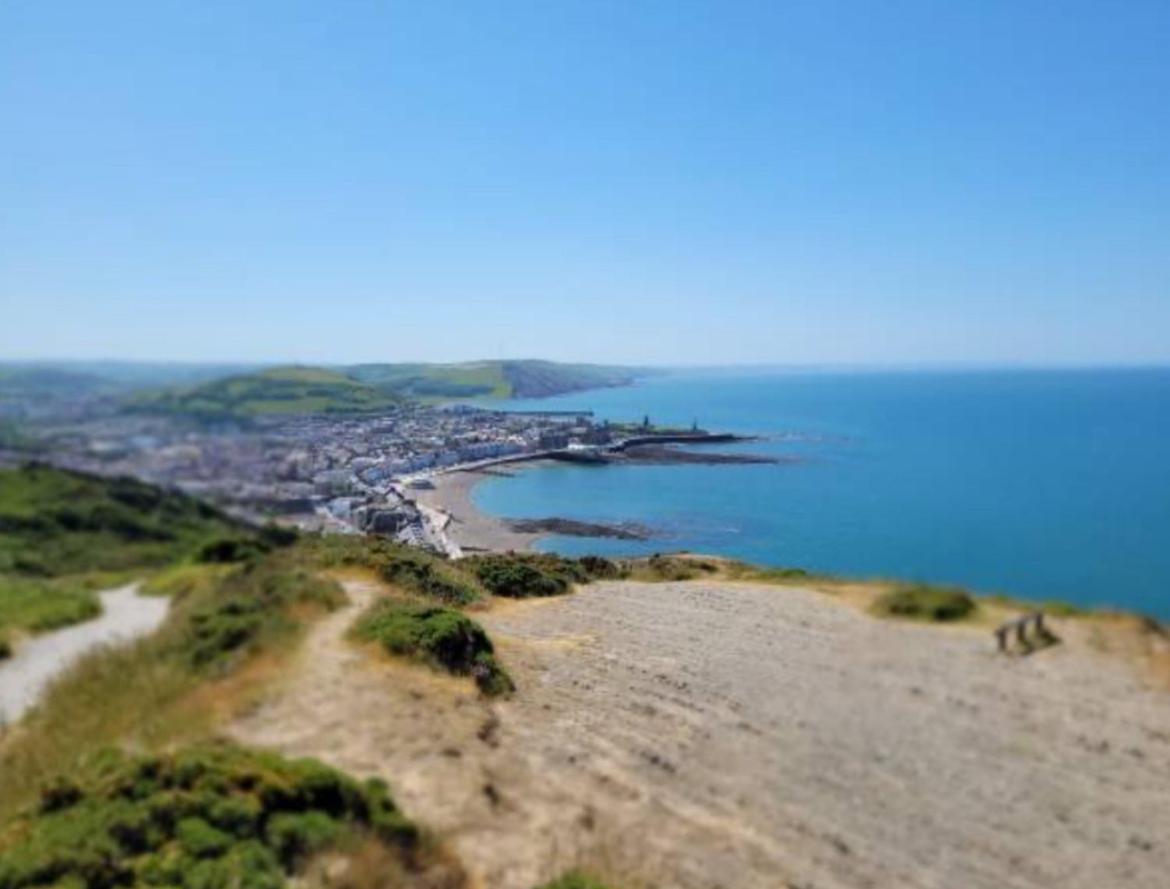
(659, 182)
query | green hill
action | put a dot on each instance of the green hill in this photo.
(62, 533)
(474, 379)
(490, 379)
(368, 388)
(280, 390)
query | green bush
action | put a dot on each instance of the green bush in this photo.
(224, 550)
(441, 637)
(248, 602)
(516, 578)
(39, 605)
(58, 522)
(923, 602)
(218, 816)
(600, 568)
(574, 880)
(525, 575)
(663, 568)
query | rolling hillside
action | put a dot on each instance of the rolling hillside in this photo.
(281, 390)
(490, 379)
(366, 388)
(62, 531)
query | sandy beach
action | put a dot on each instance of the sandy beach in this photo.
(469, 528)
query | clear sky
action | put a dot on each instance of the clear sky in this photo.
(658, 182)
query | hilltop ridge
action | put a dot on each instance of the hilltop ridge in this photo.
(240, 392)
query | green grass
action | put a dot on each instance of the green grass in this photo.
(428, 382)
(411, 570)
(65, 534)
(924, 602)
(527, 575)
(575, 880)
(365, 388)
(735, 570)
(204, 817)
(488, 379)
(54, 522)
(517, 578)
(442, 637)
(37, 606)
(134, 694)
(664, 568)
(282, 390)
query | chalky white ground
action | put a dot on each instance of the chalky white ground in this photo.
(733, 735)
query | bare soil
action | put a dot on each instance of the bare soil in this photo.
(716, 734)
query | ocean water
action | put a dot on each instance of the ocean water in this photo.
(1039, 484)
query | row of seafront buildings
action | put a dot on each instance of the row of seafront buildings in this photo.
(334, 472)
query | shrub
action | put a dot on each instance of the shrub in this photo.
(923, 602)
(668, 568)
(600, 568)
(427, 576)
(248, 602)
(516, 578)
(203, 817)
(441, 637)
(574, 880)
(38, 605)
(5, 647)
(524, 575)
(224, 550)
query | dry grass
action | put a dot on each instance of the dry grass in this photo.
(369, 864)
(126, 695)
(146, 696)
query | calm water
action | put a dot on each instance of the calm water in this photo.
(1039, 484)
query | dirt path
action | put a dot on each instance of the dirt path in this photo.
(729, 735)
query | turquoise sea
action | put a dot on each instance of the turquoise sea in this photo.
(1039, 484)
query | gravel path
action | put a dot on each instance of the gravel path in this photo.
(731, 735)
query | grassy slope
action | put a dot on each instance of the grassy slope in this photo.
(76, 809)
(282, 390)
(63, 534)
(489, 379)
(536, 379)
(436, 381)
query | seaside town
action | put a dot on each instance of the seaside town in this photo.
(339, 473)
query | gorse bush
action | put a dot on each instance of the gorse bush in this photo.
(56, 522)
(220, 615)
(214, 816)
(411, 570)
(427, 576)
(438, 636)
(663, 568)
(574, 880)
(515, 578)
(524, 575)
(248, 602)
(923, 602)
(64, 534)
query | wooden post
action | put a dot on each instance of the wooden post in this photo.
(1001, 637)
(1022, 631)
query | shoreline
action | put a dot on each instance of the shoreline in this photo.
(465, 525)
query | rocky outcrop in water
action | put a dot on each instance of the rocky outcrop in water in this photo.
(575, 528)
